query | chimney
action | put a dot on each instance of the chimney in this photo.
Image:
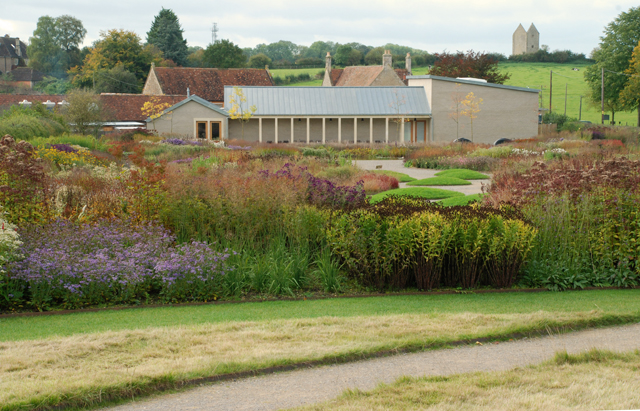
(188, 93)
(386, 59)
(327, 65)
(18, 50)
(407, 63)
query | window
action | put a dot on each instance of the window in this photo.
(215, 130)
(201, 129)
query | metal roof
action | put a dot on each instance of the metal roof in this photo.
(196, 99)
(334, 101)
(474, 83)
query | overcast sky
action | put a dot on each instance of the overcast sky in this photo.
(430, 25)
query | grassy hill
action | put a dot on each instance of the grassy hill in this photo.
(532, 75)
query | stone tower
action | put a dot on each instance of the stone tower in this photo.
(525, 42)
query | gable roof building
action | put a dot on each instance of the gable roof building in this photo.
(525, 42)
(207, 83)
(13, 53)
(367, 76)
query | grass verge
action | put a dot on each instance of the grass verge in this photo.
(459, 201)
(402, 177)
(463, 174)
(423, 192)
(440, 181)
(110, 355)
(592, 380)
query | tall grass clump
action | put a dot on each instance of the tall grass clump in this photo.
(26, 123)
(401, 242)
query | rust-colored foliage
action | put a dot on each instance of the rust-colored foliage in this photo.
(23, 182)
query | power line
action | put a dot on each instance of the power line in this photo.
(112, 78)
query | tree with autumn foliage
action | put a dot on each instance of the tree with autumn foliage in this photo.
(472, 64)
(154, 108)
(239, 110)
(471, 107)
(630, 95)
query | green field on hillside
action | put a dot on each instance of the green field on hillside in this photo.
(532, 75)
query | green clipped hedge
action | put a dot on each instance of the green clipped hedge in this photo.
(408, 242)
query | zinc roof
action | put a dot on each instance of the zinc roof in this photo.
(334, 101)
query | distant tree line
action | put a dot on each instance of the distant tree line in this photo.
(543, 55)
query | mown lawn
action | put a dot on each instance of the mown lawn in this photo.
(423, 192)
(85, 358)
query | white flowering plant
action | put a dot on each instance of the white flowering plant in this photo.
(9, 243)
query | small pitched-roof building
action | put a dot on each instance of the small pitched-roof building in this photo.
(207, 83)
(13, 53)
(25, 77)
(525, 42)
(367, 76)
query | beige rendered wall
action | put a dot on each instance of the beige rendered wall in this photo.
(182, 121)
(388, 77)
(503, 113)
(152, 86)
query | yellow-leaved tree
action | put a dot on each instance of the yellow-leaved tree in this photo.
(239, 110)
(470, 107)
(154, 108)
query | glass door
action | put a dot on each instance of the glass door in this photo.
(215, 130)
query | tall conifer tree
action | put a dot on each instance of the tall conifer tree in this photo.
(166, 34)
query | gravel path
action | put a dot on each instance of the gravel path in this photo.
(308, 386)
(420, 173)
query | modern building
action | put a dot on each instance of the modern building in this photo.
(349, 115)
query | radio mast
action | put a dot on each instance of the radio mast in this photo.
(214, 33)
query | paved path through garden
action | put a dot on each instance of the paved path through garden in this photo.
(308, 386)
(420, 173)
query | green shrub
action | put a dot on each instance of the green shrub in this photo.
(25, 123)
(402, 241)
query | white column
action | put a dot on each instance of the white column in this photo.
(401, 137)
(292, 140)
(355, 130)
(324, 136)
(431, 130)
(260, 130)
(276, 121)
(386, 130)
(339, 129)
(308, 132)
(371, 130)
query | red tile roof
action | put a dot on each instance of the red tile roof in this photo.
(118, 107)
(128, 107)
(361, 76)
(208, 83)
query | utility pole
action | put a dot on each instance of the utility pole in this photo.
(550, 90)
(602, 97)
(580, 112)
(565, 98)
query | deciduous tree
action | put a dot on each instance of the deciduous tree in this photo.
(116, 47)
(223, 54)
(614, 54)
(472, 64)
(84, 111)
(54, 47)
(471, 107)
(259, 61)
(630, 95)
(239, 109)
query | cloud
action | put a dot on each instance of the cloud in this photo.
(426, 24)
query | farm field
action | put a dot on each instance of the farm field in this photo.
(532, 75)
(85, 358)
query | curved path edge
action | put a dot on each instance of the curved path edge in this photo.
(304, 385)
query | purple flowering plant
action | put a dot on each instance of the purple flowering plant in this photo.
(114, 262)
